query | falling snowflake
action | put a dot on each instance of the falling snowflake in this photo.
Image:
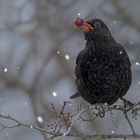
(67, 57)
(137, 63)
(40, 119)
(79, 14)
(114, 21)
(120, 52)
(117, 107)
(31, 127)
(139, 82)
(5, 70)
(58, 52)
(17, 68)
(112, 132)
(54, 93)
(26, 103)
(64, 134)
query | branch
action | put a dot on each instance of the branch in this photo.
(66, 120)
(77, 117)
(130, 124)
(18, 124)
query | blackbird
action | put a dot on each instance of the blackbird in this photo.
(103, 69)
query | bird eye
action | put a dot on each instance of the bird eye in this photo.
(97, 24)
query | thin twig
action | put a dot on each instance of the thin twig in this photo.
(72, 117)
(73, 121)
(130, 124)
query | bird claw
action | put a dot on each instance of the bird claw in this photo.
(100, 108)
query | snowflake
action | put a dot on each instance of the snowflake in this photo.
(137, 63)
(114, 21)
(120, 52)
(26, 103)
(79, 14)
(40, 119)
(64, 134)
(54, 93)
(58, 52)
(5, 70)
(117, 107)
(31, 127)
(67, 57)
(112, 132)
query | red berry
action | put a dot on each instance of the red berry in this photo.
(78, 22)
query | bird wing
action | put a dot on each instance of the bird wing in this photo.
(77, 67)
(77, 76)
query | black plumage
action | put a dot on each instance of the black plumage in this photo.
(103, 69)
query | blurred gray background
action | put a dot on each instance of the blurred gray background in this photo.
(38, 47)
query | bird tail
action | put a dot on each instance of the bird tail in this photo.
(76, 95)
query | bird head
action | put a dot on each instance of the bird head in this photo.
(94, 29)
